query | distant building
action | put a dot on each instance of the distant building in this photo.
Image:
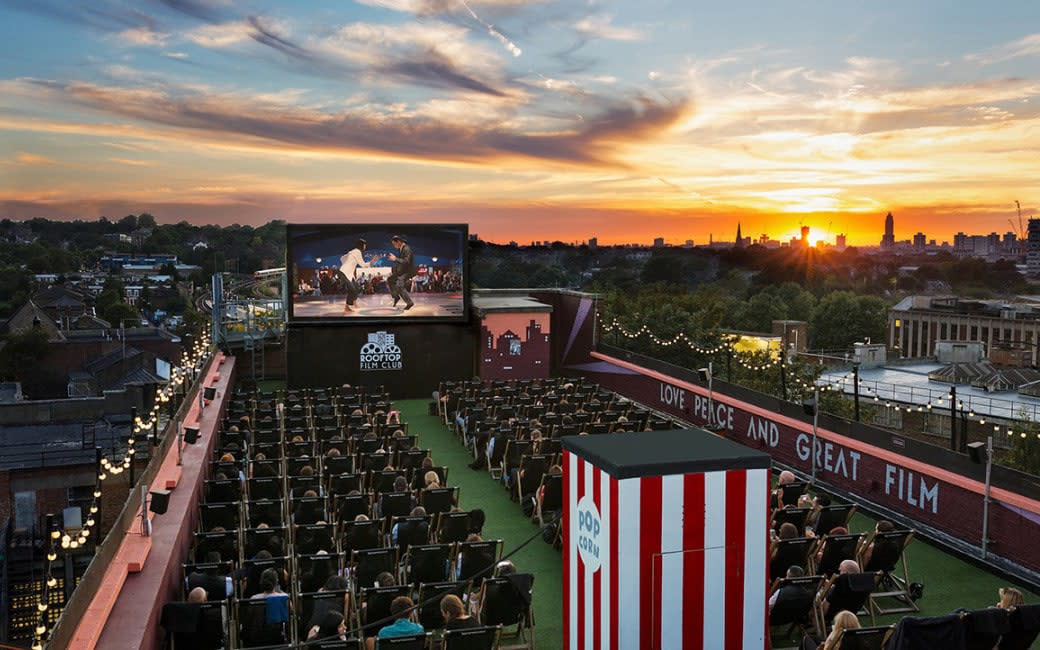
(116, 261)
(918, 323)
(688, 244)
(839, 242)
(920, 241)
(659, 242)
(1033, 248)
(740, 239)
(888, 241)
(804, 241)
(593, 242)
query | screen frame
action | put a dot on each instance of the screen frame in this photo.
(306, 321)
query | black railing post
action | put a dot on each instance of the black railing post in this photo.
(855, 389)
(953, 419)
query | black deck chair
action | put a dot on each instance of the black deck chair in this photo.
(865, 638)
(1025, 627)
(889, 557)
(316, 604)
(195, 626)
(436, 500)
(476, 560)
(452, 527)
(983, 628)
(789, 552)
(485, 637)
(552, 498)
(837, 548)
(796, 516)
(359, 535)
(413, 642)
(830, 517)
(374, 607)
(367, 564)
(851, 591)
(349, 506)
(797, 604)
(429, 600)
(506, 601)
(429, 563)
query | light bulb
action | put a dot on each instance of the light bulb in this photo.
(52, 582)
(90, 521)
(93, 510)
(42, 607)
(65, 543)
(41, 630)
(52, 556)
(74, 544)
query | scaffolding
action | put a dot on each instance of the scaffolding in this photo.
(248, 322)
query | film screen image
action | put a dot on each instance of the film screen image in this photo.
(353, 272)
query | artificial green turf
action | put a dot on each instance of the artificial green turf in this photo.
(505, 521)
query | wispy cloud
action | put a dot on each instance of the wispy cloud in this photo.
(28, 158)
(601, 27)
(1025, 46)
(436, 7)
(141, 36)
(596, 139)
(209, 11)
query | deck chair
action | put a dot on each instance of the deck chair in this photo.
(983, 628)
(429, 563)
(850, 591)
(451, 527)
(797, 603)
(359, 535)
(514, 452)
(429, 600)
(373, 610)
(195, 626)
(787, 552)
(350, 506)
(796, 516)
(529, 474)
(830, 517)
(414, 642)
(889, 557)
(496, 459)
(477, 559)
(316, 604)
(865, 638)
(436, 500)
(913, 632)
(410, 530)
(261, 622)
(1025, 627)
(315, 537)
(336, 644)
(476, 638)
(395, 504)
(366, 564)
(506, 601)
(551, 502)
(790, 492)
(837, 548)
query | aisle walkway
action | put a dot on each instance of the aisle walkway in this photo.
(504, 519)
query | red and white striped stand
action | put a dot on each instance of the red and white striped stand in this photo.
(665, 542)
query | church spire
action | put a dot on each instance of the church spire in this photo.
(740, 239)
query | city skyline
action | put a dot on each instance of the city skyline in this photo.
(529, 120)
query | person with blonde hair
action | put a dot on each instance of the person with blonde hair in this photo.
(1010, 597)
(843, 620)
(454, 613)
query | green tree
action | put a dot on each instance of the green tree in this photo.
(117, 312)
(842, 318)
(22, 353)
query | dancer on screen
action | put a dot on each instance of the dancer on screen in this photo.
(404, 271)
(349, 264)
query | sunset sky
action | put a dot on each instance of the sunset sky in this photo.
(529, 120)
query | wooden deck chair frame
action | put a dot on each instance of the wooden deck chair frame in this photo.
(524, 634)
(898, 580)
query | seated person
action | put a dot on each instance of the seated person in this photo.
(333, 626)
(794, 571)
(1010, 597)
(846, 567)
(218, 587)
(455, 616)
(322, 607)
(883, 526)
(199, 595)
(785, 477)
(403, 610)
(406, 533)
(843, 620)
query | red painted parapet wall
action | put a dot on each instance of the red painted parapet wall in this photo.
(935, 496)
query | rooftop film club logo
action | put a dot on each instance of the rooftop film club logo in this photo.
(381, 353)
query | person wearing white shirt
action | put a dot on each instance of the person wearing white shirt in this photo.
(348, 265)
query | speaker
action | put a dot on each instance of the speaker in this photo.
(977, 452)
(209, 393)
(703, 374)
(809, 406)
(191, 435)
(159, 502)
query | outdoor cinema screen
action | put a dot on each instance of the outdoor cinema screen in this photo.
(348, 272)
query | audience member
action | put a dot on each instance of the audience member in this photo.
(403, 610)
(454, 613)
(843, 620)
(1010, 597)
